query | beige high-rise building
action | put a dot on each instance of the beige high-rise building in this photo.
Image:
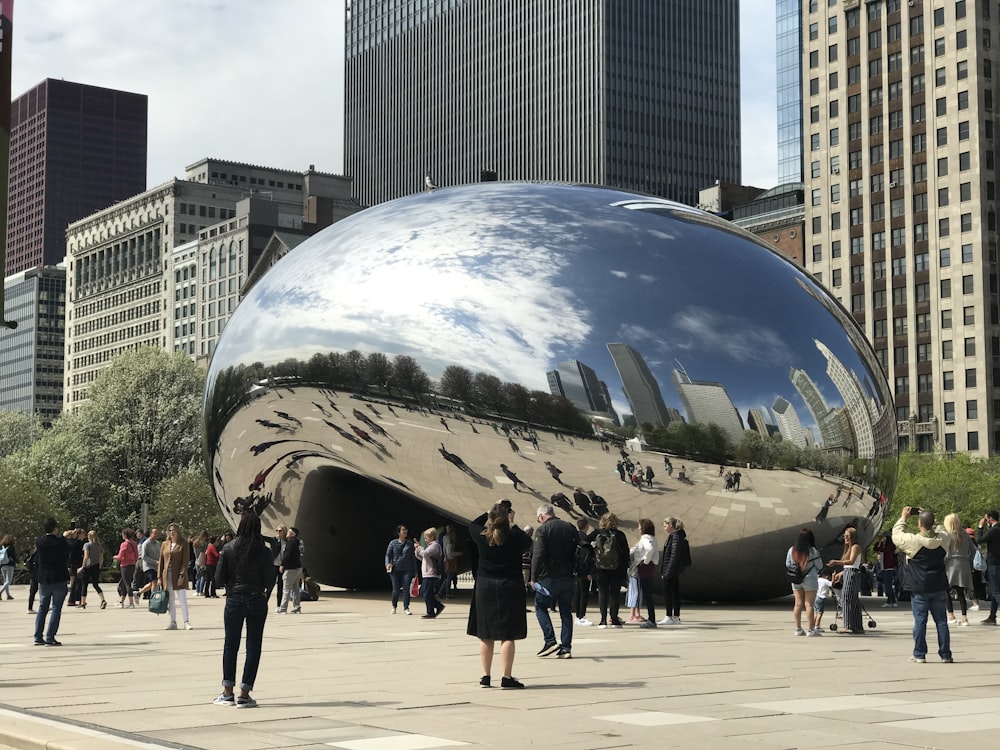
(167, 267)
(899, 122)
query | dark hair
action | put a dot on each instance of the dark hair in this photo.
(400, 527)
(803, 544)
(128, 533)
(646, 527)
(50, 525)
(993, 514)
(248, 539)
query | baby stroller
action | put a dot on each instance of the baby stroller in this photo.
(840, 609)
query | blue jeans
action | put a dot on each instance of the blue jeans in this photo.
(401, 579)
(250, 608)
(889, 585)
(993, 572)
(7, 571)
(434, 607)
(561, 592)
(50, 596)
(937, 604)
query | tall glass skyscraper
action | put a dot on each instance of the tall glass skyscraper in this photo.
(639, 95)
(789, 54)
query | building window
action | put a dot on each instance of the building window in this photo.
(946, 319)
(947, 350)
(945, 289)
(970, 347)
(973, 439)
(970, 377)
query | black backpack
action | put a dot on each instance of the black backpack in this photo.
(606, 551)
(583, 560)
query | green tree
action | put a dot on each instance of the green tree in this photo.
(408, 375)
(18, 431)
(456, 383)
(24, 506)
(187, 499)
(959, 484)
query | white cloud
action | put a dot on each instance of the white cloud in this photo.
(262, 82)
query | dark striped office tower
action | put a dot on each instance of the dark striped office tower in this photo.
(639, 95)
(74, 149)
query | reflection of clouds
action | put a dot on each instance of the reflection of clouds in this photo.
(645, 278)
(740, 338)
(620, 274)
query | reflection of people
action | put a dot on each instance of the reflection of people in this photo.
(825, 510)
(513, 477)
(246, 570)
(555, 471)
(497, 612)
(927, 580)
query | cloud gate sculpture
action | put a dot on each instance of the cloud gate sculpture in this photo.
(424, 358)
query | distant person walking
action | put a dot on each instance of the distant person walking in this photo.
(246, 570)
(53, 576)
(128, 555)
(90, 570)
(400, 563)
(8, 559)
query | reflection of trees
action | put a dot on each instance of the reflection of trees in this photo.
(707, 443)
(401, 377)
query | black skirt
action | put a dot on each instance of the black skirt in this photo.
(497, 612)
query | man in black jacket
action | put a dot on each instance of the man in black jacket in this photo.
(53, 573)
(927, 579)
(988, 533)
(552, 555)
(291, 574)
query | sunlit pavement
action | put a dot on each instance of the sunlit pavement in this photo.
(348, 674)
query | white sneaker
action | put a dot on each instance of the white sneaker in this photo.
(886, 605)
(799, 631)
(120, 605)
(815, 631)
(583, 621)
(407, 612)
(974, 608)
(171, 626)
(279, 611)
(953, 621)
(392, 611)
(666, 621)
(812, 633)
(188, 626)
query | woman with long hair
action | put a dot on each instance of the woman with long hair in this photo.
(804, 559)
(958, 565)
(400, 561)
(245, 569)
(498, 608)
(644, 557)
(672, 565)
(851, 560)
(172, 574)
(128, 554)
(90, 571)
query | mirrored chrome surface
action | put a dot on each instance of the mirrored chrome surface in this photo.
(392, 369)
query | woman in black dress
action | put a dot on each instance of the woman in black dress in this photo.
(498, 604)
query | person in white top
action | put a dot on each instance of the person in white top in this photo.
(851, 560)
(645, 556)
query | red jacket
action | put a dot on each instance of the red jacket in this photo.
(211, 555)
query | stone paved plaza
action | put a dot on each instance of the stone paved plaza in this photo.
(347, 674)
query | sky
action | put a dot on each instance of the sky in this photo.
(262, 82)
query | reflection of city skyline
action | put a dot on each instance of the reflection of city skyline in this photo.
(847, 429)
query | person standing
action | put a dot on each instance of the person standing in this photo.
(673, 561)
(172, 574)
(8, 559)
(277, 547)
(887, 553)
(851, 593)
(449, 582)
(610, 567)
(246, 570)
(291, 574)
(552, 556)
(431, 563)
(211, 566)
(399, 564)
(583, 571)
(497, 612)
(958, 565)
(645, 555)
(927, 580)
(804, 560)
(988, 533)
(128, 555)
(149, 553)
(76, 538)
(53, 574)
